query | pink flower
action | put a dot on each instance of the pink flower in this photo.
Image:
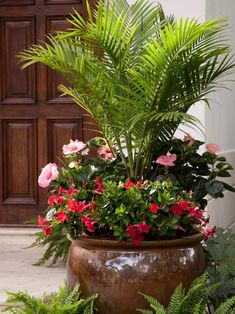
(209, 233)
(62, 216)
(89, 223)
(42, 221)
(154, 208)
(213, 148)
(166, 160)
(129, 184)
(48, 174)
(47, 230)
(73, 147)
(188, 138)
(105, 152)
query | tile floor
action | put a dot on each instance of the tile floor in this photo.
(16, 270)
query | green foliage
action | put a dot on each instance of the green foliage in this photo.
(65, 302)
(56, 247)
(194, 301)
(220, 256)
(93, 198)
(197, 172)
(137, 73)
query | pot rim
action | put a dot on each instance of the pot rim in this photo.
(87, 242)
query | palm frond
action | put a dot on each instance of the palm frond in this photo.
(130, 65)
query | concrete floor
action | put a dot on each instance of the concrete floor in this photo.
(16, 270)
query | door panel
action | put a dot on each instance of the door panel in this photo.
(18, 87)
(19, 161)
(35, 121)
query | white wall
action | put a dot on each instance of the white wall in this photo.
(185, 8)
(220, 126)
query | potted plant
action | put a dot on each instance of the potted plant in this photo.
(135, 212)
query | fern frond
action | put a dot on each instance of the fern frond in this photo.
(154, 304)
(176, 300)
(228, 307)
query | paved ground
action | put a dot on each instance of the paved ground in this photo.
(16, 270)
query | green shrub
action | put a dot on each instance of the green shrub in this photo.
(220, 256)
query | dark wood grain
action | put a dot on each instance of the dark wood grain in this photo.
(34, 120)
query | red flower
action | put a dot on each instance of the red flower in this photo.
(73, 205)
(131, 230)
(89, 223)
(71, 190)
(139, 183)
(154, 208)
(195, 212)
(61, 190)
(99, 186)
(143, 227)
(135, 231)
(177, 210)
(78, 207)
(55, 199)
(47, 230)
(42, 221)
(137, 239)
(62, 216)
(209, 233)
(129, 184)
(180, 207)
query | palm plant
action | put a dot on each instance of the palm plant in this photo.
(137, 72)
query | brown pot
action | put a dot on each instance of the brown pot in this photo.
(117, 271)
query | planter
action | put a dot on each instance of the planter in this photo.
(117, 271)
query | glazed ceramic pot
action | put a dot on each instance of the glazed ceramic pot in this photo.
(118, 271)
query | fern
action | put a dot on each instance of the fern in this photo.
(195, 301)
(176, 300)
(57, 247)
(155, 304)
(65, 302)
(228, 307)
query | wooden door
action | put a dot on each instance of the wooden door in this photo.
(35, 121)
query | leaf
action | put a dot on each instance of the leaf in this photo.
(228, 187)
(214, 188)
(223, 173)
